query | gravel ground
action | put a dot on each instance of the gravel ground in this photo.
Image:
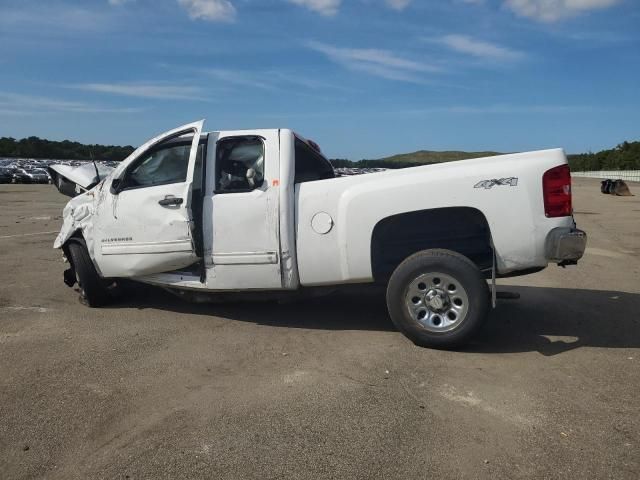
(156, 388)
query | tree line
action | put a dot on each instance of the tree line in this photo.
(344, 163)
(34, 147)
(625, 156)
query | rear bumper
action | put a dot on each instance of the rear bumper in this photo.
(565, 245)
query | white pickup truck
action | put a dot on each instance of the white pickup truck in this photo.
(261, 211)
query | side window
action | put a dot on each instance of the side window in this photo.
(310, 165)
(161, 166)
(165, 164)
(239, 164)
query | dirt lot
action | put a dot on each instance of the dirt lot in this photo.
(157, 388)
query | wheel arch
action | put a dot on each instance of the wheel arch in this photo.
(464, 230)
(76, 237)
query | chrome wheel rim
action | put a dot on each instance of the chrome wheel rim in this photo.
(437, 302)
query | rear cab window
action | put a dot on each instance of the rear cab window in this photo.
(310, 164)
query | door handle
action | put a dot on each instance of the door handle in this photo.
(170, 200)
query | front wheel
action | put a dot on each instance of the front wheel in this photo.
(438, 298)
(93, 289)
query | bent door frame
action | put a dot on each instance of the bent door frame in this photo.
(140, 253)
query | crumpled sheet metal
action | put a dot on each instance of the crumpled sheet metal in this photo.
(78, 215)
(84, 175)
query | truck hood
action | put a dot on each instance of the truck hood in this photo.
(72, 181)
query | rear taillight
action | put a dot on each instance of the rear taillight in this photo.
(556, 190)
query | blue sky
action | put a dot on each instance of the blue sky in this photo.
(364, 78)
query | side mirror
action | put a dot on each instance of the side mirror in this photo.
(116, 186)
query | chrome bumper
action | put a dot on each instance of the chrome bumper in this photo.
(565, 245)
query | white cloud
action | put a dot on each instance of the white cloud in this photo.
(308, 83)
(268, 80)
(478, 48)
(157, 91)
(213, 10)
(554, 10)
(398, 4)
(381, 63)
(323, 7)
(118, 2)
(17, 103)
(61, 19)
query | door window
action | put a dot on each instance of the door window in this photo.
(160, 167)
(239, 164)
(165, 164)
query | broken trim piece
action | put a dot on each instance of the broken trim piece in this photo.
(146, 247)
(246, 258)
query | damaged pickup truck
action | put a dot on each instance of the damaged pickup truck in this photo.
(261, 212)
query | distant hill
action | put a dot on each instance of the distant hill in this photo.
(404, 160)
(429, 156)
(625, 156)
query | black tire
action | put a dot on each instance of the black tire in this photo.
(93, 289)
(468, 279)
(608, 186)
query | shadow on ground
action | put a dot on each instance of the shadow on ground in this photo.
(359, 309)
(547, 320)
(556, 320)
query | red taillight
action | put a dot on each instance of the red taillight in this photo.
(556, 190)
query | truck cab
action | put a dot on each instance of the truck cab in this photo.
(211, 211)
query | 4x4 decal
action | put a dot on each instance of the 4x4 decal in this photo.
(511, 181)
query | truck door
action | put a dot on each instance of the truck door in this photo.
(143, 217)
(245, 248)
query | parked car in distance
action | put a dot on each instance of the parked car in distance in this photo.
(36, 175)
(6, 175)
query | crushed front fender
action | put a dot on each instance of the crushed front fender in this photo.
(78, 216)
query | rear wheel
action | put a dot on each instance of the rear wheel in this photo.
(93, 289)
(438, 298)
